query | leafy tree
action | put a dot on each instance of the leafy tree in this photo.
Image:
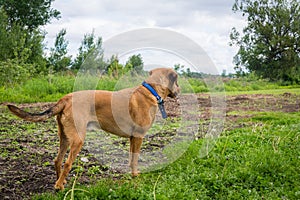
(21, 39)
(29, 14)
(58, 57)
(115, 69)
(35, 50)
(90, 46)
(6, 50)
(179, 68)
(12, 71)
(20, 53)
(270, 44)
(135, 64)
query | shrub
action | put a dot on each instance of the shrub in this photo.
(12, 72)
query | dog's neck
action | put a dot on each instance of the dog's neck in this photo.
(161, 91)
(160, 100)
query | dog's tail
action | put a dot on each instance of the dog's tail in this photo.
(36, 117)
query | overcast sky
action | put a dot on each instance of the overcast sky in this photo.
(208, 23)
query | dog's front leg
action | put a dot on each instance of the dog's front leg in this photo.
(134, 152)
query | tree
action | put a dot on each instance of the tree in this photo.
(21, 39)
(114, 68)
(90, 46)
(29, 14)
(135, 64)
(15, 43)
(179, 68)
(58, 56)
(20, 52)
(270, 44)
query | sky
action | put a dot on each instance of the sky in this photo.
(207, 23)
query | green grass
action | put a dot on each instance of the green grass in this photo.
(264, 91)
(52, 87)
(258, 161)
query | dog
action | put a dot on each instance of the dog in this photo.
(127, 113)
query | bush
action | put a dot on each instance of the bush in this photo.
(12, 72)
(198, 85)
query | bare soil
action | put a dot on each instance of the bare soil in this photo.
(27, 150)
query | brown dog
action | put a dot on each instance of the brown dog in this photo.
(126, 113)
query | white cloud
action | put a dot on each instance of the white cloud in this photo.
(206, 22)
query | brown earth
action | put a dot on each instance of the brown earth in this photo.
(27, 149)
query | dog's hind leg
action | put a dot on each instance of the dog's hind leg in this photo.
(63, 147)
(76, 143)
(130, 151)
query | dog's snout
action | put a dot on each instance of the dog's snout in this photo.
(178, 89)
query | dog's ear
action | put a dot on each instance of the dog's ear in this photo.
(173, 77)
(151, 72)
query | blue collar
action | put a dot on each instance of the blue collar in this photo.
(160, 101)
(152, 90)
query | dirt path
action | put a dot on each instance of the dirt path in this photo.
(27, 149)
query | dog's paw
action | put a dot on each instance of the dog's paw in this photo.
(59, 186)
(135, 174)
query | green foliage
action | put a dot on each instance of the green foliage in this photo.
(106, 83)
(6, 37)
(31, 14)
(20, 47)
(50, 88)
(114, 68)
(244, 85)
(12, 52)
(16, 87)
(35, 51)
(58, 56)
(89, 51)
(12, 72)
(21, 40)
(180, 69)
(135, 64)
(46, 89)
(270, 44)
(198, 85)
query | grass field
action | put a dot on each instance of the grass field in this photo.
(257, 155)
(51, 88)
(257, 162)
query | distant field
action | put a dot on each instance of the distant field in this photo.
(269, 91)
(51, 88)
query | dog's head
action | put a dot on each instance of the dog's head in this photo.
(167, 78)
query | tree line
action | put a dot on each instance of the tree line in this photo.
(22, 51)
(269, 46)
(91, 52)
